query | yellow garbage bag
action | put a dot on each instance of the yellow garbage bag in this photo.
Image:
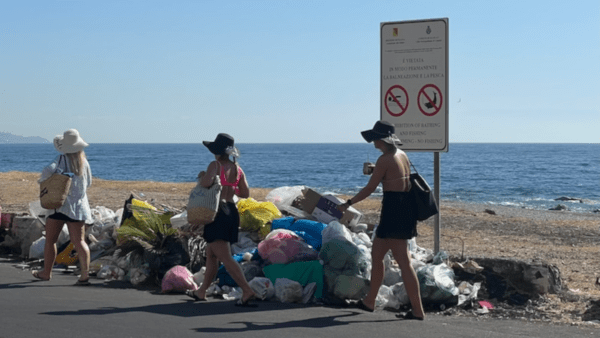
(257, 216)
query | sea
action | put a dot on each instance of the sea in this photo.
(526, 175)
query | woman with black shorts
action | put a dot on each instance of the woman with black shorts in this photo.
(398, 222)
(224, 229)
(76, 209)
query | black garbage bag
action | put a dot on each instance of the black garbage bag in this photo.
(172, 253)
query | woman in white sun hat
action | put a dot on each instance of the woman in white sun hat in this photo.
(76, 209)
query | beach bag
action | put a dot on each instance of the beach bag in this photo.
(54, 190)
(203, 204)
(424, 199)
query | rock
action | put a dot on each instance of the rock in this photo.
(564, 198)
(490, 211)
(559, 207)
(527, 278)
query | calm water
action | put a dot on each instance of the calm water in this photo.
(521, 175)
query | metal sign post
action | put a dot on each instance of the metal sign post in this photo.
(414, 89)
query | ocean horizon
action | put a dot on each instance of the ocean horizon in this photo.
(524, 175)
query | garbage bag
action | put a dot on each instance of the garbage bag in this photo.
(437, 283)
(284, 196)
(178, 279)
(36, 250)
(288, 291)
(336, 230)
(301, 272)
(257, 216)
(310, 231)
(262, 287)
(284, 247)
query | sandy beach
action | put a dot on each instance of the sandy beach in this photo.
(565, 239)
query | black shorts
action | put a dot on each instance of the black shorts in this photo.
(62, 217)
(398, 216)
(225, 226)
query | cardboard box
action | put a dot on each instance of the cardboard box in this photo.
(324, 209)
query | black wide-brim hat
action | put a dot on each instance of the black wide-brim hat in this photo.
(220, 144)
(382, 130)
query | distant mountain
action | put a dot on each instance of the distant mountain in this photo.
(10, 138)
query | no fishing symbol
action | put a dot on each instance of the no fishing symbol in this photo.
(430, 100)
(396, 100)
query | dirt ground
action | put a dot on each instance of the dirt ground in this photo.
(570, 241)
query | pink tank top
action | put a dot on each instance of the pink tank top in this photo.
(224, 181)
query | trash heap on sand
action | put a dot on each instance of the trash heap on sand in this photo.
(294, 247)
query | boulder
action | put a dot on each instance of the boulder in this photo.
(530, 278)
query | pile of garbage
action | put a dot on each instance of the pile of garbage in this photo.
(293, 247)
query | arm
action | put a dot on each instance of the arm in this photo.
(376, 178)
(207, 179)
(244, 190)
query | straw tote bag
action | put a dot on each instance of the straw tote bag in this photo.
(424, 198)
(203, 203)
(54, 190)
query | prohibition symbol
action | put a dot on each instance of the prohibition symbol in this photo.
(396, 100)
(430, 100)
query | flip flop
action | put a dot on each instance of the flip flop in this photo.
(192, 294)
(83, 282)
(409, 316)
(362, 306)
(36, 275)
(246, 303)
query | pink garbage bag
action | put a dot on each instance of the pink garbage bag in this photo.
(178, 279)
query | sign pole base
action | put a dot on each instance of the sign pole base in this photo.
(436, 179)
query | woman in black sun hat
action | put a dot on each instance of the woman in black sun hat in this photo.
(398, 222)
(224, 230)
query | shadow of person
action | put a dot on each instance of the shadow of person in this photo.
(315, 323)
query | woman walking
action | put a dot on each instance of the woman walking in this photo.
(224, 230)
(398, 221)
(76, 209)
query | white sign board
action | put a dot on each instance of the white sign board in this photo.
(414, 82)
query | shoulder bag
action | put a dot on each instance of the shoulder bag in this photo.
(424, 199)
(203, 203)
(54, 190)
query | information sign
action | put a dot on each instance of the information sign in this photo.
(414, 82)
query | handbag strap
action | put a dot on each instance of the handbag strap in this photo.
(413, 166)
(66, 163)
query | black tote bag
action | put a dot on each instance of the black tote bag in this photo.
(424, 199)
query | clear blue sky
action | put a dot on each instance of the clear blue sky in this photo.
(289, 71)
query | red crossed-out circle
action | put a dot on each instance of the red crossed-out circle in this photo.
(436, 105)
(393, 97)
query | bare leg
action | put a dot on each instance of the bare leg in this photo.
(53, 229)
(378, 251)
(77, 235)
(212, 267)
(222, 250)
(409, 277)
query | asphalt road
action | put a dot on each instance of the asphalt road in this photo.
(56, 308)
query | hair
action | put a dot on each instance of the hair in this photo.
(77, 162)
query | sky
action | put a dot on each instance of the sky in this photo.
(289, 71)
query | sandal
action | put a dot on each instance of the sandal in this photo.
(246, 303)
(36, 275)
(83, 282)
(409, 316)
(362, 306)
(192, 294)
